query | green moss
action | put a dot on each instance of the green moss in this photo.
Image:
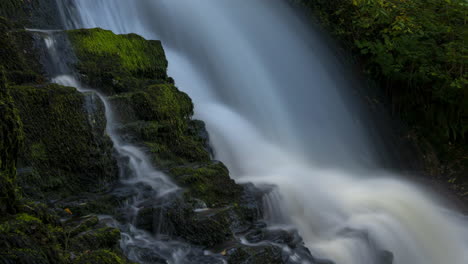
(159, 117)
(163, 103)
(210, 183)
(27, 219)
(11, 136)
(135, 53)
(99, 257)
(13, 9)
(256, 255)
(24, 238)
(18, 56)
(416, 51)
(117, 63)
(39, 152)
(65, 153)
(106, 237)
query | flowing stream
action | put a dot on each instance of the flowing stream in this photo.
(280, 109)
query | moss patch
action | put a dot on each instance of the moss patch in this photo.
(36, 236)
(210, 183)
(65, 151)
(11, 136)
(18, 56)
(117, 63)
(158, 116)
(13, 9)
(99, 257)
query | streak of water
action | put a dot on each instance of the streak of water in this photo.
(279, 110)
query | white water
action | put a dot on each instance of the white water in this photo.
(279, 109)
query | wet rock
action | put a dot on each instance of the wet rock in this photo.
(209, 182)
(148, 256)
(101, 256)
(323, 261)
(386, 257)
(255, 255)
(207, 228)
(105, 237)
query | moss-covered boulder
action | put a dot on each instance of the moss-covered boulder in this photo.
(159, 117)
(66, 149)
(26, 239)
(118, 63)
(35, 235)
(209, 182)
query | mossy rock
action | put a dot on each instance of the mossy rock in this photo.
(101, 256)
(210, 183)
(105, 237)
(163, 102)
(35, 235)
(18, 56)
(207, 228)
(14, 9)
(255, 255)
(11, 136)
(158, 117)
(66, 147)
(118, 63)
(26, 239)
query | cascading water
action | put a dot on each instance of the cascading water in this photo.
(140, 181)
(279, 110)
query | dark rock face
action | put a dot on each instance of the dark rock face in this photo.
(255, 255)
(65, 141)
(55, 122)
(10, 138)
(17, 56)
(42, 14)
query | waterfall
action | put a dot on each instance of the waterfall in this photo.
(280, 110)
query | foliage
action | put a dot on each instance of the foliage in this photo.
(417, 49)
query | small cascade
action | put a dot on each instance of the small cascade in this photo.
(140, 182)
